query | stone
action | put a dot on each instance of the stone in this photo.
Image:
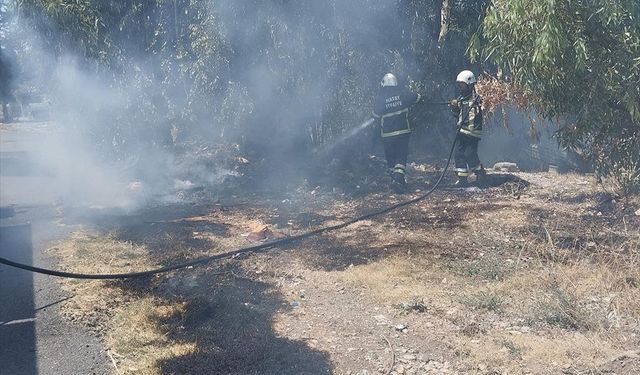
(506, 167)
(381, 320)
(400, 327)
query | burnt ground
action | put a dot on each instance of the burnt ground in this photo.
(531, 273)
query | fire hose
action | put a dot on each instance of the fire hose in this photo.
(260, 248)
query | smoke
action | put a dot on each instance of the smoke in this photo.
(77, 170)
(176, 107)
(293, 59)
(311, 70)
(516, 143)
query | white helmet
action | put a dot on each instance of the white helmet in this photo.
(389, 80)
(466, 76)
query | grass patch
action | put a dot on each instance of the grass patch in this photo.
(489, 267)
(401, 280)
(415, 305)
(133, 326)
(139, 339)
(101, 253)
(483, 301)
(552, 302)
(561, 308)
(515, 351)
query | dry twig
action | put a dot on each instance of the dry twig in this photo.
(115, 365)
(393, 355)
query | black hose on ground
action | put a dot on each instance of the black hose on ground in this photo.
(245, 250)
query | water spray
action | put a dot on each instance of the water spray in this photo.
(344, 137)
(357, 130)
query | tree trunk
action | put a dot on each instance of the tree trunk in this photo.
(445, 17)
(5, 112)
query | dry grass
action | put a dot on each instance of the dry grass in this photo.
(400, 279)
(97, 253)
(541, 287)
(130, 325)
(517, 352)
(566, 295)
(547, 318)
(138, 339)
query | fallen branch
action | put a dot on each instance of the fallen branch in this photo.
(115, 365)
(393, 355)
(549, 239)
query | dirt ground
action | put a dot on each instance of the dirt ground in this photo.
(537, 274)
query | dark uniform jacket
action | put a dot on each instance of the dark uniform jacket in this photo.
(469, 113)
(392, 108)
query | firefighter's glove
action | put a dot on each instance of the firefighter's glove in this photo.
(454, 106)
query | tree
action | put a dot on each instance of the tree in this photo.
(299, 73)
(581, 61)
(6, 77)
(5, 86)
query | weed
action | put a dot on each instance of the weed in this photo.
(489, 267)
(414, 305)
(561, 309)
(483, 301)
(514, 350)
(514, 189)
(472, 329)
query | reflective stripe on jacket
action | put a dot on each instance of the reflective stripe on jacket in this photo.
(392, 108)
(469, 111)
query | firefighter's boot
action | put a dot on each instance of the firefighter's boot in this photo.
(461, 182)
(399, 185)
(481, 175)
(398, 174)
(398, 177)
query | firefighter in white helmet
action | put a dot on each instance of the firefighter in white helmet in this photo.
(391, 108)
(468, 110)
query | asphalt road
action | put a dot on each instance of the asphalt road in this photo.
(34, 338)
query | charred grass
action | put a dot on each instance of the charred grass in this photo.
(213, 320)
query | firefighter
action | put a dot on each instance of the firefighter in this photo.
(391, 108)
(468, 110)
